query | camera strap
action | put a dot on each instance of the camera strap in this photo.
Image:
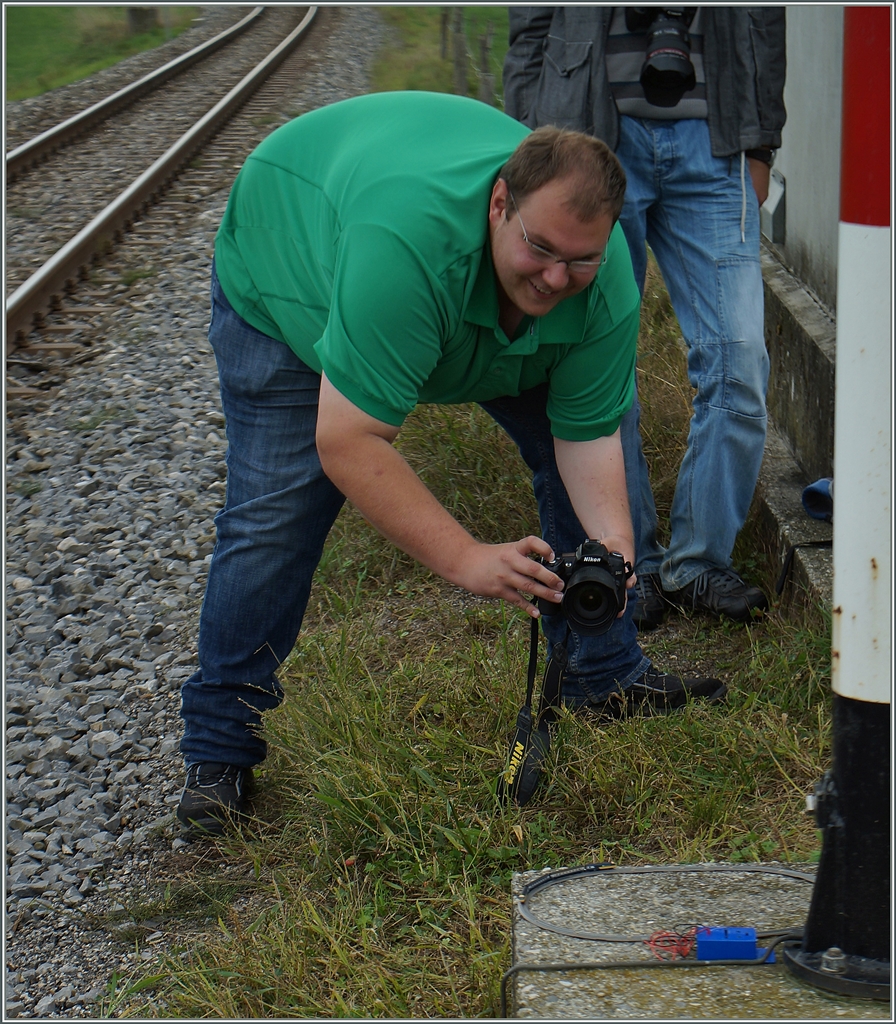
(788, 560)
(532, 739)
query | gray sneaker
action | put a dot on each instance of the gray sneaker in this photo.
(213, 795)
(657, 693)
(721, 592)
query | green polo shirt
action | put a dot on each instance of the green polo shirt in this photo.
(358, 235)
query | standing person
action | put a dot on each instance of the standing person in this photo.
(388, 250)
(691, 100)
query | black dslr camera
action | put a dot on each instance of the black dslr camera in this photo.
(594, 588)
(667, 73)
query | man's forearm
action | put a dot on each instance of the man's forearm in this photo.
(357, 455)
(593, 473)
(378, 481)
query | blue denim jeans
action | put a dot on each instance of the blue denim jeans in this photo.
(596, 666)
(278, 511)
(689, 206)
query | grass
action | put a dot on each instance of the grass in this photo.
(376, 871)
(415, 61)
(379, 861)
(48, 46)
(26, 488)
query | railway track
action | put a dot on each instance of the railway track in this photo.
(56, 248)
(116, 139)
(40, 146)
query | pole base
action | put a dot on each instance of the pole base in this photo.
(836, 971)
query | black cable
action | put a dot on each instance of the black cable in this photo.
(589, 870)
(591, 965)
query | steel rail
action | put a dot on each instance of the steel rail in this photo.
(42, 145)
(34, 297)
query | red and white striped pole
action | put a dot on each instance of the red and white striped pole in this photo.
(846, 941)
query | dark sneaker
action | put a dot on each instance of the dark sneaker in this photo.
(721, 592)
(214, 794)
(656, 693)
(650, 606)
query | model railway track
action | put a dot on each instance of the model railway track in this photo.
(37, 300)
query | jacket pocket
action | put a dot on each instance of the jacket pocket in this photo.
(565, 86)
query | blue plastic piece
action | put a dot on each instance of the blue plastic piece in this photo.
(818, 499)
(729, 944)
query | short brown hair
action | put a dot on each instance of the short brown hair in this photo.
(550, 153)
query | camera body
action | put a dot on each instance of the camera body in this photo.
(594, 588)
(667, 73)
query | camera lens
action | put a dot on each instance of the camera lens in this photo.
(668, 73)
(590, 603)
(591, 600)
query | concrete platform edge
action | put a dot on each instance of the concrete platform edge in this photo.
(801, 339)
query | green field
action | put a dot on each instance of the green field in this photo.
(51, 46)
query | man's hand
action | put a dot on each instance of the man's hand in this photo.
(506, 571)
(357, 455)
(594, 475)
(760, 173)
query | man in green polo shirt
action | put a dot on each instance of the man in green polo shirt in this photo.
(393, 249)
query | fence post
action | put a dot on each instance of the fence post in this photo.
(459, 38)
(846, 941)
(486, 78)
(443, 32)
(142, 19)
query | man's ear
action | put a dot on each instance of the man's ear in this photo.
(497, 206)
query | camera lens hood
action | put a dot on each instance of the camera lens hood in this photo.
(590, 602)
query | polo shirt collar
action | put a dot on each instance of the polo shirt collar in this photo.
(564, 324)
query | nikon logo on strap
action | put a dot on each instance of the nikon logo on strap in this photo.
(516, 760)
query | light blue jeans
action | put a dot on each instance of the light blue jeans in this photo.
(691, 208)
(279, 508)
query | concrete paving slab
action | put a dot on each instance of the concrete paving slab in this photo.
(636, 902)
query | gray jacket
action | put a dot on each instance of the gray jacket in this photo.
(555, 73)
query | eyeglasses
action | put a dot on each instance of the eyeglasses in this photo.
(542, 255)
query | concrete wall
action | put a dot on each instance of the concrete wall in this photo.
(809, 157)
(800, 273)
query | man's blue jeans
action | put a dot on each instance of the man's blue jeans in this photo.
(689, 206)
(279, 509)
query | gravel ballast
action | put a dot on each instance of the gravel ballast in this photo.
(112, 484)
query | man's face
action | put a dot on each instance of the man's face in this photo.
(528, 281)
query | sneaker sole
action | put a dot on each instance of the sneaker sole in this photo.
(685, 605)
(647, 710)
(208, 823)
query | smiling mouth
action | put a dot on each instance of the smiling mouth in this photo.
(541, 291)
